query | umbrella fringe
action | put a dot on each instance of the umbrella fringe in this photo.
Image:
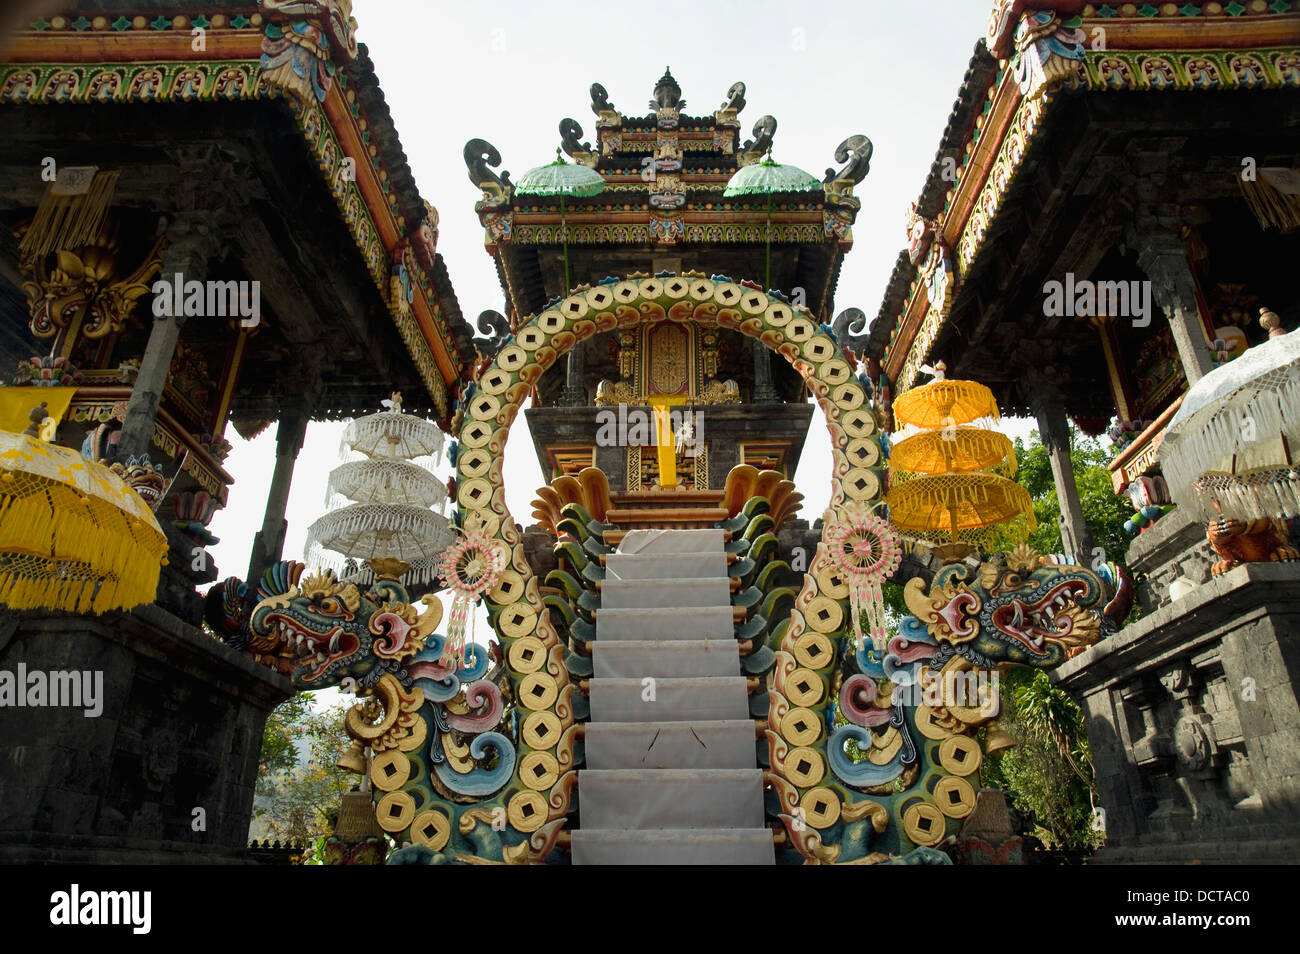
(45, 536)
(1192, 447)
(384, 481)
(392, 434)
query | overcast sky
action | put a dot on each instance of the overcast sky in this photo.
(509, 72)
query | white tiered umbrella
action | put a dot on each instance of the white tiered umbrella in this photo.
(1233, 448)
(387, 499)
(393, 434)
(387, 481)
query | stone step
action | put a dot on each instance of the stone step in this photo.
(665, 658)
(671, 541)
(670, 798)
(662, 515)
(671, 745)
(663, 566)
(719, 846)
(675, 700)
(666, 622)
(654, 594)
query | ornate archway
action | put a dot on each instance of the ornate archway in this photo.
(545, 765)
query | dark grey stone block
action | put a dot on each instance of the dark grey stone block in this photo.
(181, 726)
(1189, 766)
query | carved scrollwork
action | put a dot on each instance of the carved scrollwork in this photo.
(479, 155)
(615, 392)
(1193, 745)
(855, 153)
(570, 134)
(850, 329)
(720, 392)
(85, 282)
(494, 325)
(735, 98)
(764, 131)
(600, 100)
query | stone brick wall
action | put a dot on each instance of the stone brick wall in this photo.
(181, 729)
(1194, 722)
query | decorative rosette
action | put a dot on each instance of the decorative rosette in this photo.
(865, 551)
(470, 567)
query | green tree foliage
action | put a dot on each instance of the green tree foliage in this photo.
(1103, 510)
(304, 792)
(279, 748)
(1049, 771)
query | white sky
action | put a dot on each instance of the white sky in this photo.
(509, 72)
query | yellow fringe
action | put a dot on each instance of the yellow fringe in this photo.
(1271, 207)
(52, 539)
(69, 221)
(923, 504)
(969, 449)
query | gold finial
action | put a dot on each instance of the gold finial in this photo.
(1271, 323)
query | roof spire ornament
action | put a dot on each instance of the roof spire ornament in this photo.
(667, 95)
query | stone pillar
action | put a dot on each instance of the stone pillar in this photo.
(764, 393)
(1173, 287)
(189, 246)
(268, 544)
(142, 407)
(575, 394)
(1054, 431)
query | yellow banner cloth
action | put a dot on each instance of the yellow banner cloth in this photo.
(16, 405)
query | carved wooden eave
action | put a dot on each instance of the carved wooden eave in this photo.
(1253, 45)
(98, 55)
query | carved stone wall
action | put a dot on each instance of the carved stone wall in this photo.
(1175, 546)
(180, 729)
(1193, 720)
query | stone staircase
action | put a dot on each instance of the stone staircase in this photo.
(671, 775)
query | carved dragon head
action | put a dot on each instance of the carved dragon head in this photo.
(334, 631)
(1025, 611)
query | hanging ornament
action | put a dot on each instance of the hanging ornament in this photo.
(865, 551)
(470, 567)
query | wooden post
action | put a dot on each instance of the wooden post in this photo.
(1054, 431)
(1173, 287)
(268, 544)
(575, 394)
(146, 395)
(764, 393)
(186, 254)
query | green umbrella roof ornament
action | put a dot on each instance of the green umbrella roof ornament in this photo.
(770, 178)
(563, 179)
(560, 178)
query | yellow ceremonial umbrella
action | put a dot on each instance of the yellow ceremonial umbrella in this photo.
(73, 535)
(945, 403)
(954, 449)
(949, 482)
(956, 507)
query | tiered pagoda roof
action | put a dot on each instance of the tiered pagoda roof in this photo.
(663, 207)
